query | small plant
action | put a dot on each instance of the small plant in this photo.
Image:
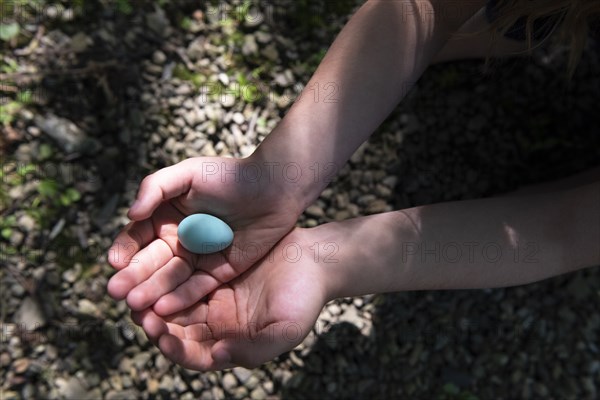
(6, 226)
(181, 72)
(452, 392)
(185, 23)
(9, 31)
(124, 7)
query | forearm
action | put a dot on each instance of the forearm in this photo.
(374, 61)
(469, 244)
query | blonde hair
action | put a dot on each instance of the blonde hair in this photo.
(570, 21)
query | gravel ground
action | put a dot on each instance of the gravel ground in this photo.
(117, 93)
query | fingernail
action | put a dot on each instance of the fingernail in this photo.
(221, 356)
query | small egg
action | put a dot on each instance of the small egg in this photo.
(204, 234)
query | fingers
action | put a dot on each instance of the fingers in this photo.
(189, 346)
(191, 354)
(162, 185)
(150, 259)
(198, 285)
(250, 349)
(197, 314)
(153, 325)
(129, 241)
(163, 281)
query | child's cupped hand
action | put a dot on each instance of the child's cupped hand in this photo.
(155, 270)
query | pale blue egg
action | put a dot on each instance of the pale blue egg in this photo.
(204, 234)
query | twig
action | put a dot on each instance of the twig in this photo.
(33, 44)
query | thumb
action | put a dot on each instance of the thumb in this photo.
(162, 185)
(250, 351)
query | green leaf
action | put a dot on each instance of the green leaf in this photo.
(9, 66)
(69, 197)
(24, 170)
(124, 7)
(6, 232)
(73, 194)
(8, 111)
(450, 388)
(185, 24)
(48, 188)
(64, 200)
(45, 151)
(9, 31)
(25, 96)
(10, 220)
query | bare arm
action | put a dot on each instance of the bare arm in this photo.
(372, 64)
(468, 244)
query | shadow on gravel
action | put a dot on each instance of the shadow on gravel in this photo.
(468, 135)
(82, 135)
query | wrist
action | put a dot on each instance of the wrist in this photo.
(363, 254)
(336, 256)
(285, 177)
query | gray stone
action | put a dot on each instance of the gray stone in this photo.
(180, 385)
(185, 89)
(158, 22)
(30, 315)
(206, 395)
(191, 118)
(87, 307)
(390, 181)
(342, 215)
(196, 385)
(383, 191)
(271, 52)
(127, 382)
(158, 57)
(285, 78)
(238, 118)
(250, 46)
(258, 394)
(141, 360)
(334, 309)
(268, 387)
(80, 42)
(116, 382)
(377, 206)
(16, 238)
(229, 382)
(71, 388)
(162, 364)
(176, 101)
(252, 382)
(240, 392)
(217, 393)
(315, 211)
(152, 386)
(188, 104)
(263, 37)
(120, 395)
(167, 384)
(67, 135)
(242, 374)
(195, 50)
(311, 223)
